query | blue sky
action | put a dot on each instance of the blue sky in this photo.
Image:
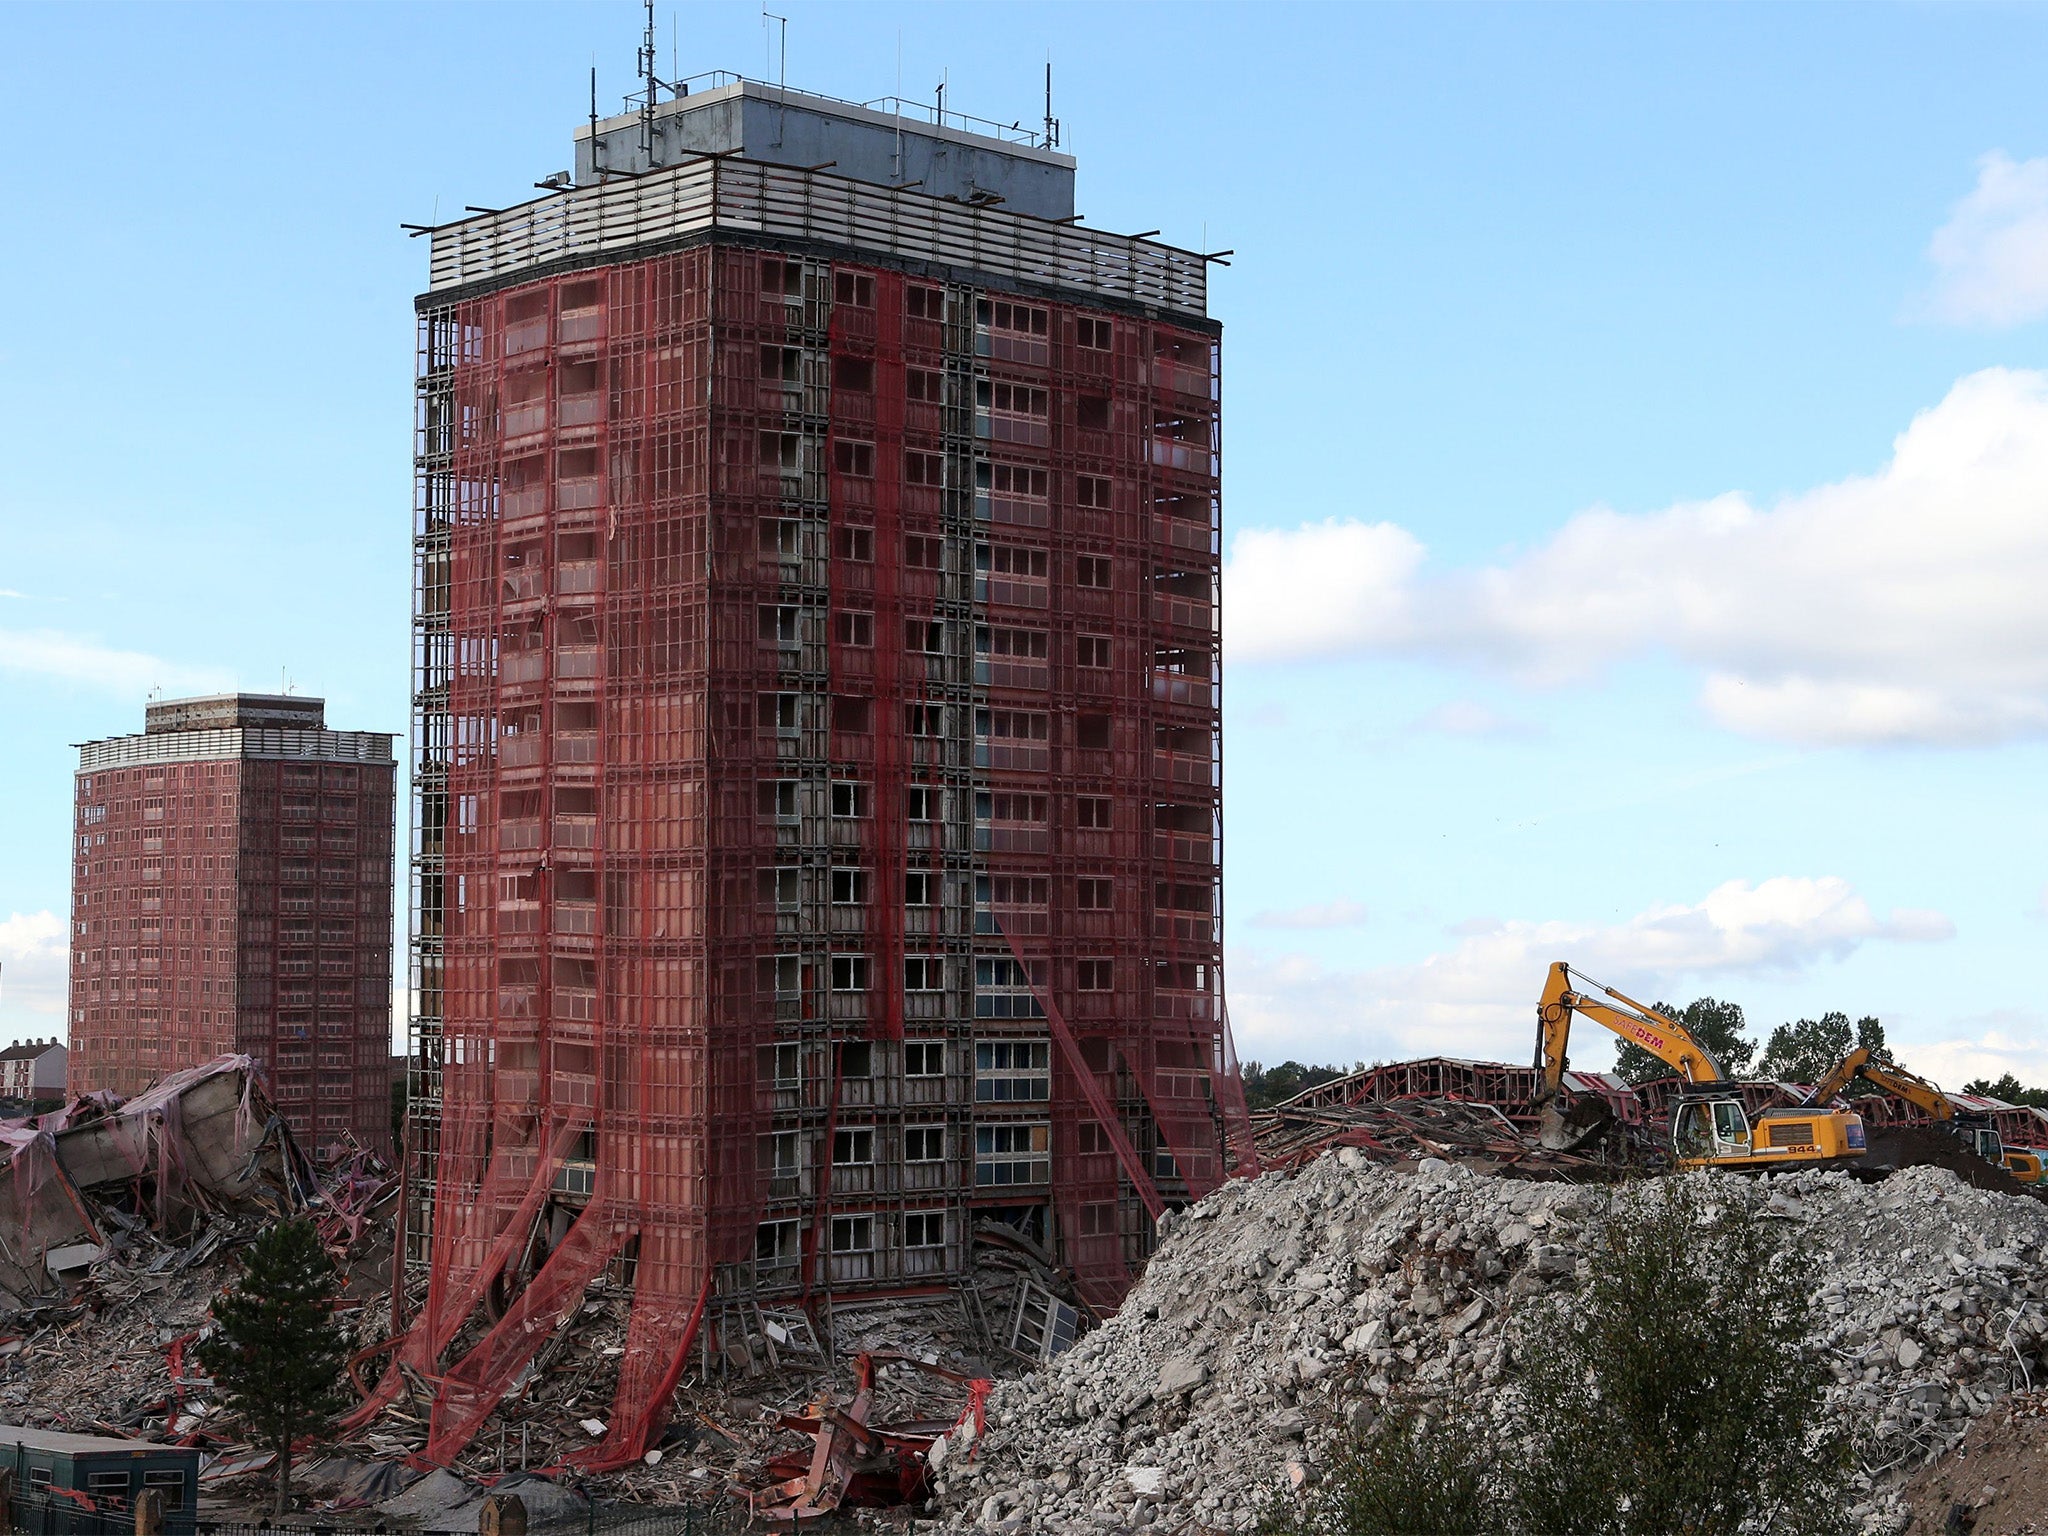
(1636, 452)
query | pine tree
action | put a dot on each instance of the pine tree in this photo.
(279, 1352)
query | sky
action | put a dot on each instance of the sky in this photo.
(1635, 443)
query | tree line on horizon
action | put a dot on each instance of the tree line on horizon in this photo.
(1797, 1052)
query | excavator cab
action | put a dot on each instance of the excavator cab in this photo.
(2025, 1164)
(1703, 1129)
(1984, 1140)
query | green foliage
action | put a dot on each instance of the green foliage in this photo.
(1266, 1086)
(278, 1354)
(1409, 1478)
(1803, 1052)
(2008, 1088)
(1677, 1392)
(1674, 1391)
(1716, 1025)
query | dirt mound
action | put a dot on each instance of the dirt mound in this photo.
(1995, 1483)
(1923, 1146)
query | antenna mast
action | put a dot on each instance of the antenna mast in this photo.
(650, 81)
(1052, 124)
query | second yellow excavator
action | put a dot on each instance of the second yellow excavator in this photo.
(1975, 1131)
(1710, 1123)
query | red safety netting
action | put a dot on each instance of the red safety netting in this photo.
(823, 800)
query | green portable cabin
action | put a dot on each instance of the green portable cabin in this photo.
(50, 1468)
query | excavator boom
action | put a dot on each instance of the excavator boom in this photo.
(1710, 1122)
(1664, 1038)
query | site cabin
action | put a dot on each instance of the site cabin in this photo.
(52, 1470)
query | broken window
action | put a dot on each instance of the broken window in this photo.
(853, 1145)
(924, 1143)
(775, 1244)
(924, 1058)
(924, 1229)
(781, 1066)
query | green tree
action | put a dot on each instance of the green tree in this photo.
(1266, 1086)
(1803, 1052)
(278, 1352)
(1717, 1025)
(1676, 1390)
(2008, 1088)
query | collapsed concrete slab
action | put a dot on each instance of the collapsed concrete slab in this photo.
(204, 1139)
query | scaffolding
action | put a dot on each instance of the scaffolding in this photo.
(817, 767)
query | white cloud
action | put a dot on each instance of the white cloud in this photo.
(1992, 254)
(1330, 914)
(1479, 999)
(34, 971)
(1323, 588)
(1466, 717)
(1901, 606)
(2011, 1042)
(51, 654)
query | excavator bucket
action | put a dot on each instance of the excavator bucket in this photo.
(1568, 1123)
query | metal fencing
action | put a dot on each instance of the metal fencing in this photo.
(34, 1515)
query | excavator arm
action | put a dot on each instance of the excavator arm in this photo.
(1665, 1038)
(1890, 1076)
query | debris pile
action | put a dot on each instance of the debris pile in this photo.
(87, 1182)
(1283, 1311)
(1396, 1130)
(120, 1222)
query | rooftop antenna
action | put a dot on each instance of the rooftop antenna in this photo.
(595, 168)
(1052, 124)
(897, 173)
(651, 81)
(781, 71)
(942, 96)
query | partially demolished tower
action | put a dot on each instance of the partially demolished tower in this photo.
(817, 749)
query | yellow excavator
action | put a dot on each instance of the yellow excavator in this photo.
(1710, 1123)
(1975, 1131)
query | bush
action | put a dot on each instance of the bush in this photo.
(1407, 1478)
(1674, 1391)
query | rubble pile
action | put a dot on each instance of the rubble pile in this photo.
(1282, 1311)
(122, 1221)
(1390, 1130)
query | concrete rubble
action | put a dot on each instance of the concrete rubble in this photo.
(1285, 1311)
(93, 1181)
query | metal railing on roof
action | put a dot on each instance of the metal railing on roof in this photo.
(619, 215)
(211, 746)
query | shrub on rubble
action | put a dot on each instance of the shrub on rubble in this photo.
(1675, 1390)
